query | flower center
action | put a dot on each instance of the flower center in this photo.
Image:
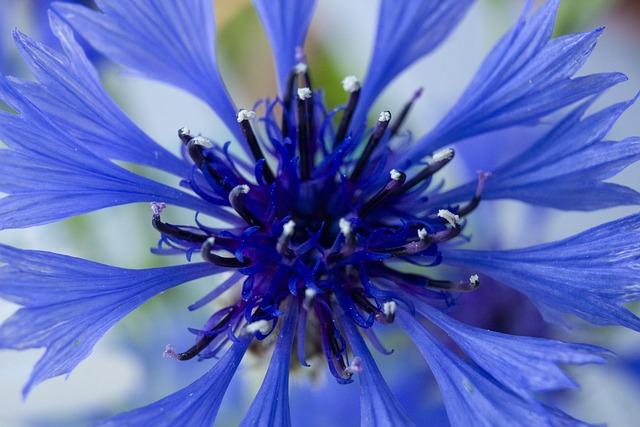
(321, 218)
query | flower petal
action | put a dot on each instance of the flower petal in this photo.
(522, 364)
(471, 396)
(271, 405)
(195, 405)
(590, 275)
(378, 406)
(565, 169)
(524, 78)
(286, 24)
(407, 31)
(69, 92)
(173, 42)
(68, 323)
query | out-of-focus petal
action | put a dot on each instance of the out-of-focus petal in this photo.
(69, 303)
(286, 24)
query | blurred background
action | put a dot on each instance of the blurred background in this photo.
(126, 369)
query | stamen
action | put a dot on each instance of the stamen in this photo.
(376, 137)
(217, 259)
(261, 326)
(349, 244)
(305, 133)
(470, 207)
(413, 247)
(352, 85)
(355, 367)
(236, 197)
(392, 187)
(389, 309)
(243, 118)
(172, 230)
(283, 241)
(440, 159)
(184, 133)
(450, 286)
(309, 295)
(405, 111)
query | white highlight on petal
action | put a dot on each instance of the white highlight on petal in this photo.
(300, 68)
(351, 84)
(422, 234)
(245, 115)
(395, 175)
(474, 280)
(385, 116)
(389, 308)
(452, 219)
(261, 326)
(444, 154)
(288, 228)
(304, 93)
(200, 140)
(345, 227)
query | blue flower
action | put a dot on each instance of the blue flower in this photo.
(328, 227)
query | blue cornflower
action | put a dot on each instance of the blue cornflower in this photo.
(327, 226)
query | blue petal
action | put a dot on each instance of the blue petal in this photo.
(286, 24)
(271, 405)
(524, 78)
(378, 406)
(590, 275)
(173, 42)
(471, 396)
(69, 92)
(407, 31)
(195, 405)
(69, 303)
(565, 169)
(522, 364)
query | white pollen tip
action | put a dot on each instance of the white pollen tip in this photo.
(245, 115)
(389, 308)
(395, 175)
(200, 140)
(474, 280)
(288, 228)
(261, 326)
(304, 93)
(184, 131)
(309, 294)
(422, 234)
(444, 154)
(345, 226)
(157, 208)
(211, 241)
(351, 84)
(300, 68)
(385, 116)
(243, 188)
(355, 367)
(452, 219)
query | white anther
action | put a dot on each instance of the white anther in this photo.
(288, 228)
(200, 140)
(385, 116)
(309, 295)
(300, 68)
(452, 219)
(474, 281)
(304, 93)
(355, 367)
(242, 188)
(395, 175)
(422, 234)
(245, 115)
(169, 351)
(444, 154)
(184, 131)
(157, 208)
(261, 326)
(345, 227)
(210, 241)
(350, 84)
(389, 308)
